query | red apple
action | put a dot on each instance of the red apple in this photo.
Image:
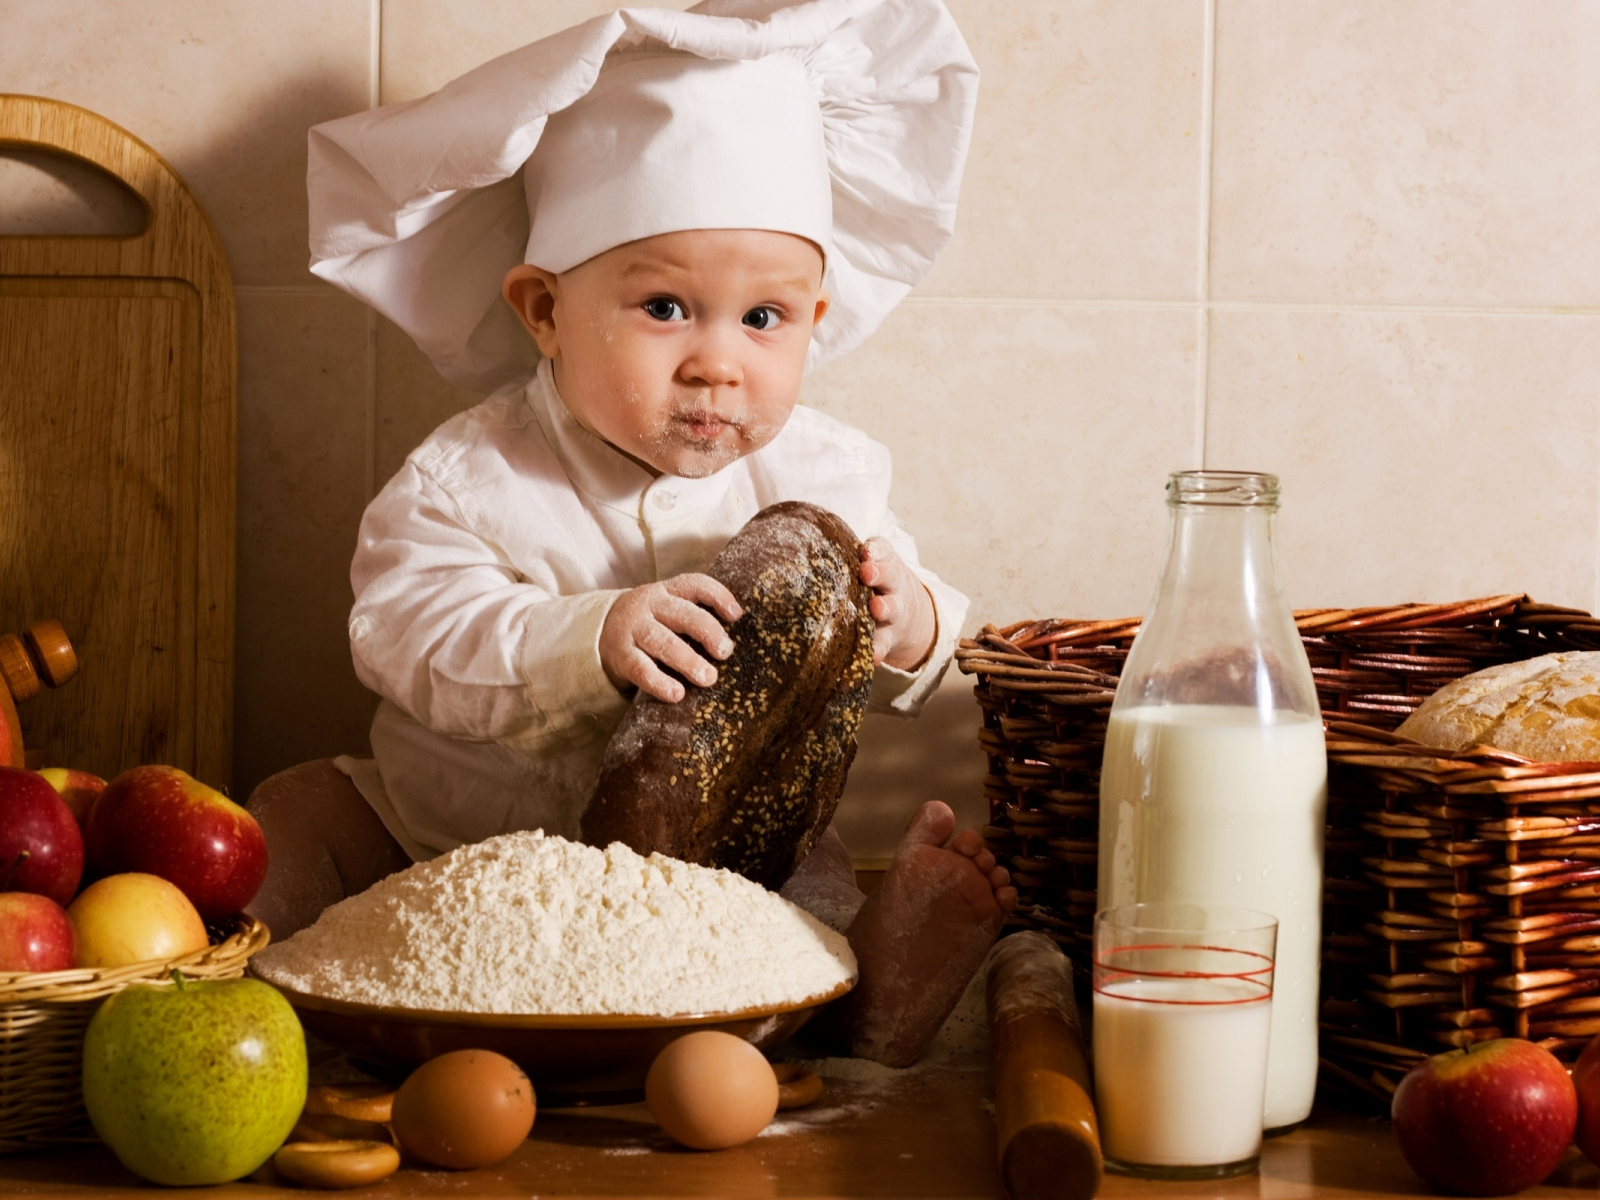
(1489, 1120)
(160, 821)
(41, 849)
(1586, 1079)
(35, 934)
(78, 790)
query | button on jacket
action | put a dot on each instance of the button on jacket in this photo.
(484, 572)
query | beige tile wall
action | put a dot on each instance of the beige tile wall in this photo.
(1351, 241)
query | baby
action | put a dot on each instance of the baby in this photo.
(694, 224)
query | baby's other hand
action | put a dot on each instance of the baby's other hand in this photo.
(900, 605)
(641, 634)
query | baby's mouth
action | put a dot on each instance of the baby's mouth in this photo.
(703, 426)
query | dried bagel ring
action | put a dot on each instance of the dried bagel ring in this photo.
(797, 1087)
(324, 1127)
(354, 1101)
(336, 1164)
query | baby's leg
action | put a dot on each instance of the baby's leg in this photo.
(920, 937)
(825, 884)
(324, 843)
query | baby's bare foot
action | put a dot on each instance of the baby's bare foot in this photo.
(919, 938)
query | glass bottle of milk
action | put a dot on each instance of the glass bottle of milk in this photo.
(1214, 784)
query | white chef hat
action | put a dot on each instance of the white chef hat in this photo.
(842, 121)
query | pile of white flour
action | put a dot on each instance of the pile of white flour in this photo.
(525, 923)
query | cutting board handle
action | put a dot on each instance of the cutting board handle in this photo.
(172, 358)
(38, 123)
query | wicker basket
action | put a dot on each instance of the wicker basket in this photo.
(42, 1020)
(1436, 865)
(1468, 906)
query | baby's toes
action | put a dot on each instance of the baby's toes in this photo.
(967, 843)
(983, 860)
(1006, 898)
(999, 877)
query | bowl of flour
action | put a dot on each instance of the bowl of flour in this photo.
(576, 962)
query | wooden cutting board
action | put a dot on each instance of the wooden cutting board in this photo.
(117, 425)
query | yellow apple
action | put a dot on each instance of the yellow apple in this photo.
(133, 918)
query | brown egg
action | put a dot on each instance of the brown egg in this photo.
(711, 1090)
(465, 1109)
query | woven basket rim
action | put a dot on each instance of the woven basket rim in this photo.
(1387, 617)
(1475, 769)
(1001, 655)
(58, 987)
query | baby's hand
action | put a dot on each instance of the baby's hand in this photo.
(642, 629)
(900, 605)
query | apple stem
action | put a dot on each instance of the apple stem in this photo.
(13, 867)
(178, 979)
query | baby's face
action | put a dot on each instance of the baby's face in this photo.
(684, 350)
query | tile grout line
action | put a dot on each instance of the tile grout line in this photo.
(374, 98)
(1208, 87)
(1313, 306)
(375, 54)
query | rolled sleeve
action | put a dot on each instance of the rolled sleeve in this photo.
(567, 684)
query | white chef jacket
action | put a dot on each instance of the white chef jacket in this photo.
(485, 569)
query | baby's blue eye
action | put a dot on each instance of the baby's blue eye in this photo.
(664, 308)
(764, 318)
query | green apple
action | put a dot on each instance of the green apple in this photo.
(195, 1083)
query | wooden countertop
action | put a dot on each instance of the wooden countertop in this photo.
(924, 1133)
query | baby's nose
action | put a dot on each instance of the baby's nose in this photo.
(712, 362)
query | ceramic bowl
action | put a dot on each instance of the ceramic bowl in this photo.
(570, 1059)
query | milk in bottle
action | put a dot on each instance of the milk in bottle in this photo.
(1213, 786)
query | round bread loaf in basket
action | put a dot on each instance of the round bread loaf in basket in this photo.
(1461, 895)
(42, 1021)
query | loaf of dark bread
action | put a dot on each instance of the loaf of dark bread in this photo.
(746, 774)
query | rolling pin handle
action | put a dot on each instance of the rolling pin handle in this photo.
(51, 651)
(17, 669)
(1048, 1137)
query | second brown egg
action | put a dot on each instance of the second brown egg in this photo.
(465, 1109)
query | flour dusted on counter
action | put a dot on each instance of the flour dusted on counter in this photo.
(526, 923)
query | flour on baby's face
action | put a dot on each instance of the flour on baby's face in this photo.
(703, 437)
(685, 351)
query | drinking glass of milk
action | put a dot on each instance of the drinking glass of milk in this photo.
(1214, 783)
(1182, 1018)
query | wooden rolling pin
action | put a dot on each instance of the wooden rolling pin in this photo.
(1049, 1140)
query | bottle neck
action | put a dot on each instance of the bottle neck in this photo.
(1220, 630)
(1221, 565)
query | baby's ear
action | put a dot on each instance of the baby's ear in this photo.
(824, 301)
(531, 293)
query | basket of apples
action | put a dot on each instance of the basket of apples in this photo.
(101, 886)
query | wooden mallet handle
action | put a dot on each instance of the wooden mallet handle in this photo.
(51, 651)
(1049, 1140)
(17, 670)
(42, 655)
